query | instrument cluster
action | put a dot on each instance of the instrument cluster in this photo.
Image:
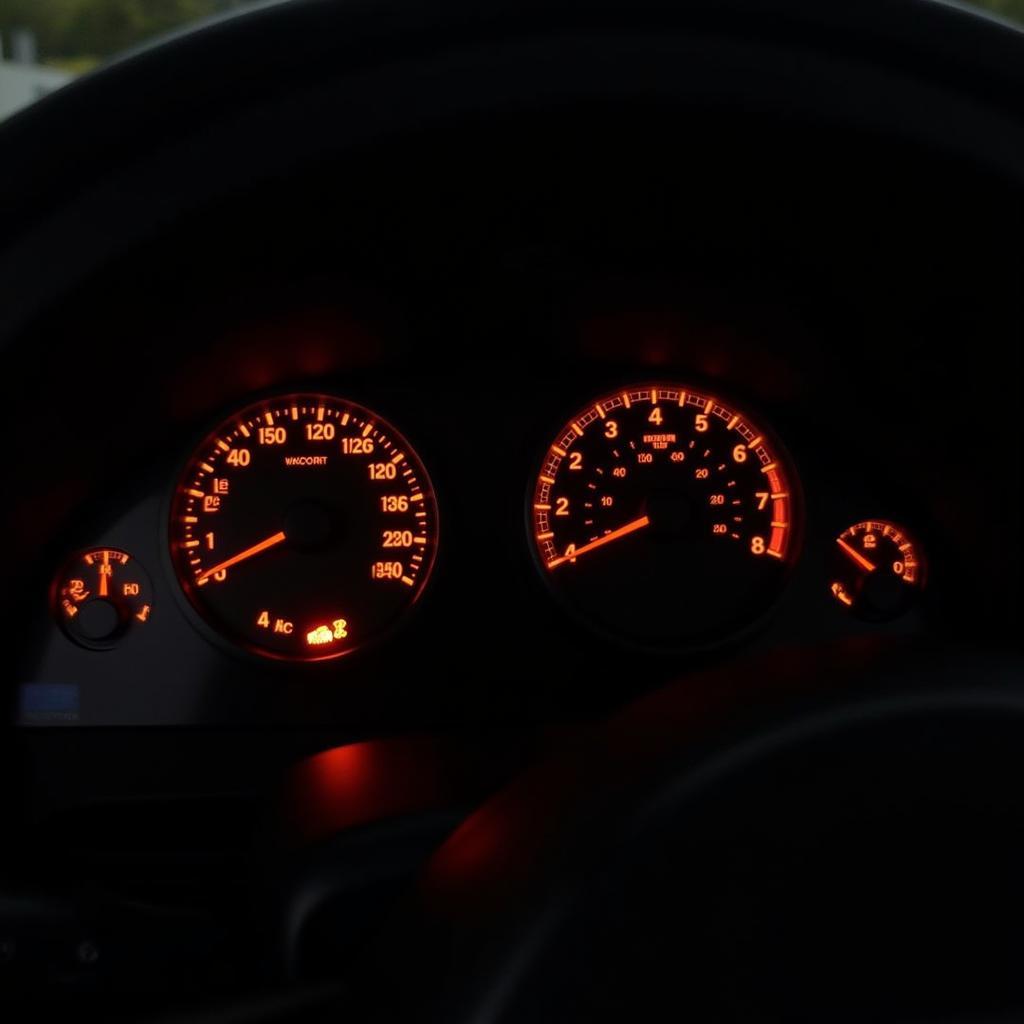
(663, 523)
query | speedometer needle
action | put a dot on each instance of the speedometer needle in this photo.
(856, 555)
(269, 542)
(622, 531)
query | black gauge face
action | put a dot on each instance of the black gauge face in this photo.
(878, 570)
(303, 527)
(101, 595)
(664, 516)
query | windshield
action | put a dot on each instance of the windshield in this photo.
(46, 43)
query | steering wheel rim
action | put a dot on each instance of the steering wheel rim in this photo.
(948, 44)
(493, 905)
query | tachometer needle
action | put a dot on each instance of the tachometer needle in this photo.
(269, 542)
(622, 531)
(856, 555)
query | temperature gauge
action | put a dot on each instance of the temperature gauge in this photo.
(878, 570)
(100, 595)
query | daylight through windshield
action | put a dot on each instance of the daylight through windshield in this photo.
(46, 43)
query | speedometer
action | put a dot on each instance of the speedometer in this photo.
(303, 527)
(665, 516)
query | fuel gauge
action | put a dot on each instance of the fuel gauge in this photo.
(101, 595)
(878, 570)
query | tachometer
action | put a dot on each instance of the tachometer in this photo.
(303, 527)
(665, 516)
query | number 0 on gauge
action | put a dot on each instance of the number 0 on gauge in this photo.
(303, 527)
(664, 516)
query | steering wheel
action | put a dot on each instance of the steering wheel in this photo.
(850, 852)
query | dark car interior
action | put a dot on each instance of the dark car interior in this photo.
(514, 514)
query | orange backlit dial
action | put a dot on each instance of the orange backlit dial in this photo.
(303, 527)
(664, 516)
(877, 570)
(100, 595)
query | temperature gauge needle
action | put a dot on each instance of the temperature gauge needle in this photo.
(856, 555)
(269, 542)
(622, 531)
(104, 573)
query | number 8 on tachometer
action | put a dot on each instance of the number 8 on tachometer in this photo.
(665, 517)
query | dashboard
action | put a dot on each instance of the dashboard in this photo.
(822, 344)
(388, 414)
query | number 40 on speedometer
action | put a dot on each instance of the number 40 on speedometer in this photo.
(303, 527)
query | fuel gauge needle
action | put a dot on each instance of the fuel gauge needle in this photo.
(856, 555)
(622, 531)
(269, 542)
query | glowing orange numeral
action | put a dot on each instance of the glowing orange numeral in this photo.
(644, 458)
(394, 503)
(757, 545)
(655, 416)
(209, 541)
(387, 571)
(561, 506)
(762, 499)
(383, 471)
(239, 457)
(607, 501)
(700, 423)
(398, 538)
(263, 619)
(619, 472)
(719, 528)
(702, 473)
(739, 453)
(272, 435)
(130, 589)
(576, 460)
(716, 499)
(319, 431)
(611, 429)
(357, 446)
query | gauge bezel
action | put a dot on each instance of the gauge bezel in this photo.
(684, 647)
(225, 639)
(125, 629)
(915, 590)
